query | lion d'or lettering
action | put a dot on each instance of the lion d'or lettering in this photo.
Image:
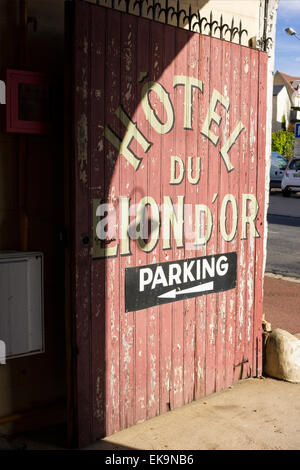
(155, 284)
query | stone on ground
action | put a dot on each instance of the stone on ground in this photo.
(282, 356)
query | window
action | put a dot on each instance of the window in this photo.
(28, 102)
(282, 163)
(295, 165)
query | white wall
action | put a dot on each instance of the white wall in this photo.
(281, 106)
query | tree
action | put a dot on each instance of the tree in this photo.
(283, 143)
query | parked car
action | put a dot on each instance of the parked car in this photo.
(291, 179)
(278, 165)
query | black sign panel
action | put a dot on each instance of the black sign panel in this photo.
(162, 283)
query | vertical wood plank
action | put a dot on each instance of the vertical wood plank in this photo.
(259, 255)
(250, 68)
(212, 203)
(141, 184)
(222, 312)
(98, 274)
(229, 183)
(189, 55)
(127, 83)
(167, 146)
(177, 393)
(81, 273)
(154, 190)
(241, 363)
(112, 171)
(203, 145)
(239, 312)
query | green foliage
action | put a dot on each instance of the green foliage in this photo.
(283, 142)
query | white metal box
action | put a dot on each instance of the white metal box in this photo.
(21, 303)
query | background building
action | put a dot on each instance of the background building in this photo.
(286, 96)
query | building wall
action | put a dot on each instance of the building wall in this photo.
(281, 107)
(246, 11)
(31, 210)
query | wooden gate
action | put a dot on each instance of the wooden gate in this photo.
(167, 203)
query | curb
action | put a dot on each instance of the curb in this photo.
(283, 277)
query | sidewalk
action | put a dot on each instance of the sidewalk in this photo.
(254, 414)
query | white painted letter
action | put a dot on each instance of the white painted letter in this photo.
(179, 178)
(202, 209)
(131, 133)
(189, 83)
(222, 268)
(159, 278)
(150, 115)
(213, 116)
(229, 143)
(196, 178)
(146, 276)
(169, 218)
(249, 219)
(228, 198)
(174, 276)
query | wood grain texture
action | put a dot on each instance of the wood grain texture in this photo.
(132, 366)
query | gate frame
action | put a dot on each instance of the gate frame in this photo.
(72, 391)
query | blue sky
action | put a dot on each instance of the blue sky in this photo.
(287, 48)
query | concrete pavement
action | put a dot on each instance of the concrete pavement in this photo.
(253, 414)
(286, 206)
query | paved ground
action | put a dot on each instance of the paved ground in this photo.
(282, 302)
(288, 206)
(283, 249)
(253, 414)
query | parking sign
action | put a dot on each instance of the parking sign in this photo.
(297, 130)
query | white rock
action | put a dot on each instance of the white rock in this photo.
(282, 356)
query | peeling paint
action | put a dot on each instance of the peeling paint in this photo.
(82, 139)
(100, 145)
(128, 93)
(162, 357)
(85, 45)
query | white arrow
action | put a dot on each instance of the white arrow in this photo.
(200, 288)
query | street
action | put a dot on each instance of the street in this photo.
(283, 246)
(282, 279)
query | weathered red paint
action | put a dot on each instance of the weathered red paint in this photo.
(132, 366)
